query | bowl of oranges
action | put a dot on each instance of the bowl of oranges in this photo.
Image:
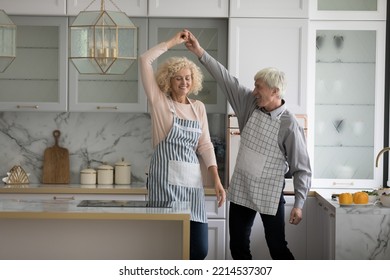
(354, 199)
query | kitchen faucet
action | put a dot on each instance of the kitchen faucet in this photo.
(385, 149)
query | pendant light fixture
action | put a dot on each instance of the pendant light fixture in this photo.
(103, 42)
(7, 41)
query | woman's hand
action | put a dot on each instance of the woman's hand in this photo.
(219, 190)
(220, 193)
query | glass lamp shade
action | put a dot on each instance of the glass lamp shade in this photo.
(7, 41)
(103, 42)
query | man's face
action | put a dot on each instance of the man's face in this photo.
(265, 96)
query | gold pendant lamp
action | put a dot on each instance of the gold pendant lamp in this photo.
(103, 42)
(7, 41)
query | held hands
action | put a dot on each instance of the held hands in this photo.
(179, 38)
(193, 45)
(185, 36)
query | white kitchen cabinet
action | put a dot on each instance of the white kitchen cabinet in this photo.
(188, 8)
(130, 7)
(212, 35)
(258, 43)
(216, 228)
(296, 235)
(216, 239)
(110, 93)
(321, 230)
(37, 79)
(348, 9)
(269, 8)
(36, 7)
(212, 209)
(346, 76)
(328, 219)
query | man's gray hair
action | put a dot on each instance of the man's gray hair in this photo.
(274, 78)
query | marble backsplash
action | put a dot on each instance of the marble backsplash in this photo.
(91, 138)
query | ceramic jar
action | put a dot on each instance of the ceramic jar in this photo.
(122, 172)
(105, 175)
(88, 176)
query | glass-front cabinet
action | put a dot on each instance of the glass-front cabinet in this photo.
(37, 79)
(346, 77)
(348, 9)
(110, 93)
(212, 35)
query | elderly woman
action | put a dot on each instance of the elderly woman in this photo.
(181, 138)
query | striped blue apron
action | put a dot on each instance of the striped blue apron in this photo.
(174, 173)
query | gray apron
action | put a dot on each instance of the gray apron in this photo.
(174, 172)
(258, 177)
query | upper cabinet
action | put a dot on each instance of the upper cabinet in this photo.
(36, 7)
(348, 9)
(37, 79)
(256, 43)
(110, 93)
(346, 111)
(130, 7)
(212, 35)
(269, 8)
(188, 8)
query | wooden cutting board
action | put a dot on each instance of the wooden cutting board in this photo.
(56, 163)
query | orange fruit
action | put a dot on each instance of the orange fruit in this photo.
(360, 198)
(345, 198)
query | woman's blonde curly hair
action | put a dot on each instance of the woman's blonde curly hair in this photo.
(171, 66)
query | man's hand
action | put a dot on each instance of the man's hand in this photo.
(295, 216)
(193, 45)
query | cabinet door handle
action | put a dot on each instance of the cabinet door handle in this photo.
(27, 106)
(107, 107)
(338, 183)
(63, 197)
(234, 133)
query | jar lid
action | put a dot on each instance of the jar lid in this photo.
(105, 167)
(122, 163)
(88, 171)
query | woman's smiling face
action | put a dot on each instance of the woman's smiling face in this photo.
(181, 83)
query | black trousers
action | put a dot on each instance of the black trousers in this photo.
(240, 226)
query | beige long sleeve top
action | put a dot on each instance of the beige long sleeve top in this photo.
(160, 108)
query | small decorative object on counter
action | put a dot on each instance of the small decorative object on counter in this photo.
(105, 175)
(385, 199)
(16, 176)
(122, 172)
(88, 176)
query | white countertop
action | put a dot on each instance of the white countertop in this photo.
(62, 209)
(325, 195)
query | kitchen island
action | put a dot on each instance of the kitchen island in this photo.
(60, 229)
(359, 232)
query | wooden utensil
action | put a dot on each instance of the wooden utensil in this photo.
(56, 163)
